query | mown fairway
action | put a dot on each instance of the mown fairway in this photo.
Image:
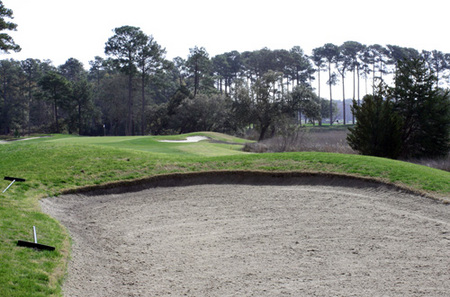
(51, 165)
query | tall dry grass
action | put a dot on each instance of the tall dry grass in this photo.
(329, 140)
(439, 163)
(305, 140)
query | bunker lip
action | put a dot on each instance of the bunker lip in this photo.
(248, 177)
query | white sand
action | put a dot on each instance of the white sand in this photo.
(188, 139)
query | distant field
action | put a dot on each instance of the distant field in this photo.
(54, 164)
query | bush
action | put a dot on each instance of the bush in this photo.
(255, 147)
(378, 128)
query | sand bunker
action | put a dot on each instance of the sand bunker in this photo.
(247, 240)
(188, 139)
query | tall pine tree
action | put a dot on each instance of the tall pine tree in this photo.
(7, 42)
(425, 110)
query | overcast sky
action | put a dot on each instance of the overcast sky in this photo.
(61, 29)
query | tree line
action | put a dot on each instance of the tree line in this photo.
(135, 90)
(410, 119)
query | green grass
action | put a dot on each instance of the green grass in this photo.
(152, 144)
(51, 165)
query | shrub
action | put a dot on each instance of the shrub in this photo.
(378, 128)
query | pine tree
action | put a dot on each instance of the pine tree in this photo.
(378, 128)
(6, 41)
(425, 110)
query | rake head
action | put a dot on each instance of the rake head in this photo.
(35, 245)
(17, 179)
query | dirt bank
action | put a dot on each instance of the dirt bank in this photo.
(318, 238)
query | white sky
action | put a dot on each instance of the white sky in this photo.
(61, 29)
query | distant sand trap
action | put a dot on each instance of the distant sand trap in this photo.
(247, 240)
(188, 139)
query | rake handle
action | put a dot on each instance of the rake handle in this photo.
(9, 186)
(34, 233)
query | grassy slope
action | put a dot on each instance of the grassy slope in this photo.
(51, 165)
